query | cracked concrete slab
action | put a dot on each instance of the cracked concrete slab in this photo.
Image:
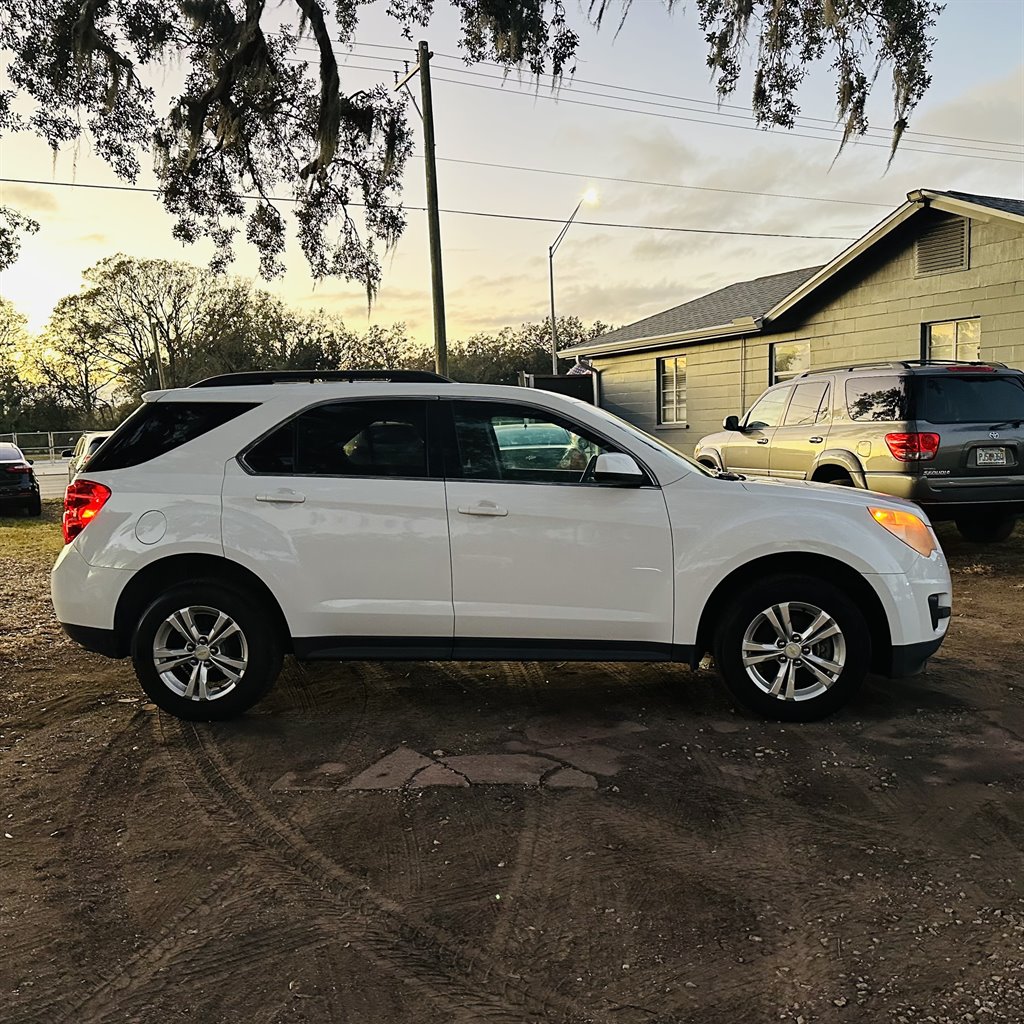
(589, 758)
(517, 769)
(570, 778)
(392, 771)
(437, 775)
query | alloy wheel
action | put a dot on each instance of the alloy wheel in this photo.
(200, 653)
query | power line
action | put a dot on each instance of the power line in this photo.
(464, 213)
(947, 139)
(738, 127)
(974, 152)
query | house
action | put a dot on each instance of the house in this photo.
(942, 277)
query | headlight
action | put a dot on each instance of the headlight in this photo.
(909, 528)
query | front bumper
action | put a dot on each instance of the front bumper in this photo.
(910, 659)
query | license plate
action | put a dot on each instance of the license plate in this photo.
(991, 456)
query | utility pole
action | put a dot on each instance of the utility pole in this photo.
(554, 323)
(433, 217)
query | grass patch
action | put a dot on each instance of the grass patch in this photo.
(27, 539)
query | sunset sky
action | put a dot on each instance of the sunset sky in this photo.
(496, 270)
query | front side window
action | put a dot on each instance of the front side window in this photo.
(767, 412)
(809, 405)
(384, 438)
(495, 441)
(788, 359)
(953, 339)
(672, 390)
(881, 398)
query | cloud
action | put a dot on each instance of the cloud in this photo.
(28, 199)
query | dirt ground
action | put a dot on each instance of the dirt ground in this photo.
(511, 843)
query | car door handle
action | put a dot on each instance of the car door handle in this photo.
(762, 440)
(282, 498)
(483, 508)
(815, 439)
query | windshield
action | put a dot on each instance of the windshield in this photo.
(974, 399)
(652, 442)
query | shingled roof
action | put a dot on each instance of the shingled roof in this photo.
(752, 307)
(735, 301)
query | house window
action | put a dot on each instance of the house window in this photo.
(953, 339)
(788, 359)
(672, 390)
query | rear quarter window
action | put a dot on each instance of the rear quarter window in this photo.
(881, 398)
(978, 398)
(156, 428)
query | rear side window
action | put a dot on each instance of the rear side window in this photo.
(156, 428)
(883, 399)
(969, 399)
(383, 438)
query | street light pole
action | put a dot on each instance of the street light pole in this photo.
(588, 196)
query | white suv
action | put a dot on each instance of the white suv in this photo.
(399, 515)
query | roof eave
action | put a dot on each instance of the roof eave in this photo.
(965, 208)
(742, 325)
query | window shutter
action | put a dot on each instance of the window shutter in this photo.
(943, 247)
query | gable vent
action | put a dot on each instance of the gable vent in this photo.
(943, 247)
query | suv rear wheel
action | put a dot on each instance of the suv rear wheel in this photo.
(203, 651)
(986, 527)
(794, 648)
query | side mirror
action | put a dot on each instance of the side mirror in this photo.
(618, 469)
(731, 423)
(31, 462)
(67, 453)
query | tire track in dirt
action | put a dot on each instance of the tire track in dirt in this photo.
(460, 974)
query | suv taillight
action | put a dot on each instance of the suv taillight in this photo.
(913, 447)
(19, 467)
(82, 501)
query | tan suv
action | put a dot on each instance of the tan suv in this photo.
(948, 435)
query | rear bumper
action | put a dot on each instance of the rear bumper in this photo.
(99, 641)
(909, 659)
(946, 497)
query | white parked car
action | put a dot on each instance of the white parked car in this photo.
(391, 515)
(88, 445)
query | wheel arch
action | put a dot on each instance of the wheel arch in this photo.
(821, 567)
(710, 457)
(164, 573)
(838, 459)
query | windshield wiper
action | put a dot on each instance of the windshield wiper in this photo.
(1006, 423)
(723, 475)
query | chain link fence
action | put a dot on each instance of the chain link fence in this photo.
(43, 445)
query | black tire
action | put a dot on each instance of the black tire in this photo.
(259, 649)
(34, 507)
(986, 527)
(811, 698)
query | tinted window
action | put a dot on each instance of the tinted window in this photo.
(768, 411)
(969, 399)
(808, 401)
(347, 439)
(507, 442)
(877, 398)
(156, 428)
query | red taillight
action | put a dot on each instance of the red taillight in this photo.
(971, 369)
(19, 467)
(82, 501)
(913, 447)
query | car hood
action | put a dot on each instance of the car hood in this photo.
(827, 492)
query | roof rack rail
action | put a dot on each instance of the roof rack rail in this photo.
(902, 364)
(317, 376)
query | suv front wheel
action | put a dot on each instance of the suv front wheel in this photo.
(793, 648)
(203, 651)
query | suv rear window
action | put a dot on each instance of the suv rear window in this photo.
(879, 398)
(969, 399)
(156, 428)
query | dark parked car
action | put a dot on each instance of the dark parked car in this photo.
(948, 435)
(18, 485)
